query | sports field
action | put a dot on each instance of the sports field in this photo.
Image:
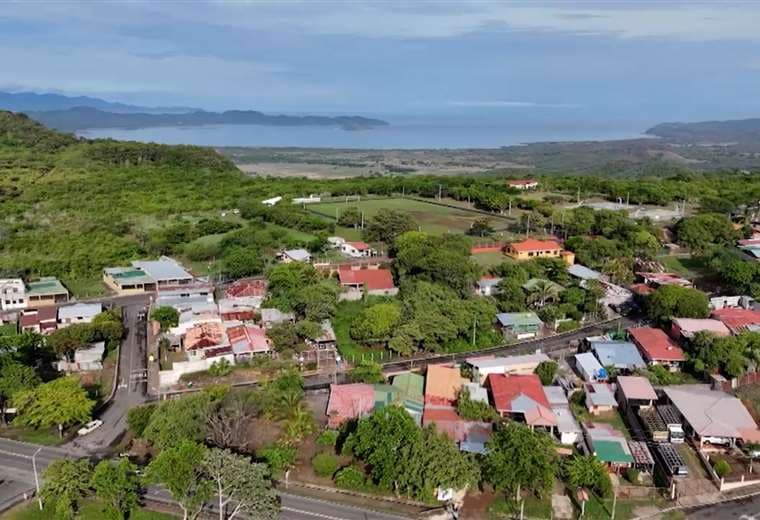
(431, 218)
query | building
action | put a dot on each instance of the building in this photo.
(46, 291)
(583, 273)
(294, 255)
(42, 321)
(731, 302)
(482, 367)
(12, 294)
(657, 348)
(487, 286)
(533, 248)
(271, 317)
(473, 434)
(247, 288)
(600, 398)
(589, 368)
(442, 384)
(377, 282)
(248, 341)
(737, 320)
(271, 202)
(523, 184)
(182, 296)
(411, 393)
(659, 279)
(712, 416)
(357, 249)
(635, 391)
(85, 359)
(128, 280)
(642, 457)
(618, 354)
(346, 402)
(239, 309)
(568, 430)
(519, 325)
(686, 328)
(78, 313)
(326, 340)
(609, 446)
(165, 272)
(521, 398)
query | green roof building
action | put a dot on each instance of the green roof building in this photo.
(614, 452)
(385, 395)
(411, 389)
(46, 291)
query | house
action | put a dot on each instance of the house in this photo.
(12, 294)
(385, 395)
(239, 309)
(609, 446)
(589, 368)
(85, 359)
(326, 340)
(247, 341)
(346, 402)
(635, 391)
(523, 184)
(442, 384)
(487, 286)
(712, 416)
(737, 320)
(180, 296)
(568, 429)
(583, 273)
(411, 393)
(271, 202)
(476, 392)
(166, 272)
(247, 288)
(686, 328)
(191, 315)
(521, 398)
(205, 336)
(621, 355)
(78, 313)
(731, 302)
(294, 255)
(445, 418)
(519, 325)
(482, 367)
(659, 279)
(657, 348)
(336, 242)
(128, 280)
(42, 321)
(357, 249)
(533, 248)
(377, 282)
(46, 291)
(600, 398)
(271, 317)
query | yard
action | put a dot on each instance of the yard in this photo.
(89, 510)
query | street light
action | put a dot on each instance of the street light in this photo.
(36, 478)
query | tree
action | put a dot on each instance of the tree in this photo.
(376, 322)
(168, 317)
(588, 472)
(350, 217)
(284, 337)
(180, 469)
(387, 225)
(324, 464)
(673, 301)
(14, 378)
(240, 262)
(139, 417)
(542, 292)
(66, 482)
(546, 370)
(471, 410)
(286, 280)
(176, 420)
(722, 468)
(367, 372)
(227, 421)
(117, 485)
(316, 302)
(480, 227)
(519, 458)
(61, 402)
(245, 485)
(66, 341)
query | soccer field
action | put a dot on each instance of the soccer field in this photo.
(431, 218)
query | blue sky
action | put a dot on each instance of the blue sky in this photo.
(648, 60)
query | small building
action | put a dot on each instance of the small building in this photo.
(584, 273)
(471, 436)
(46, 291)
(568, 429)
(385, 395)
(657, 348)
(326, 340)
(336, 242)
(609, 446)
(731, 302)
(78, 313)
(205, 336)
(128, 280)
(238, 309)
(271, 317)
(271, 202)
(42, 321)
(642, 457)
(442, 384)
(600, 398)
(294, 255)
(482, 367)
(476, 392)
(166, 272)
(670, 459)
(85, 359)
(357, 249)
(635, 391)
(411, 393)
(523, 184)
(248, 341)
(533, 248)
(655, 427)
(487, 286)
(589, 368)
(247, 288)
(519, 325)
(12, 294)
(346, 402)
(521, 398)
(378, 282)
(686, 328)
(621, 355)
(737, 320)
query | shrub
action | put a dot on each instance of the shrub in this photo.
(139, 417)
(567, 326)
(350, 477)
(325, 464)
(632, 475)
(722, 468)
(279, 457)
(220, 368)
(327, 438)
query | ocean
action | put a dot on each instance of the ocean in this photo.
(403, 132)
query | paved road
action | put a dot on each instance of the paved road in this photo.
(746, 509)
(16, 459)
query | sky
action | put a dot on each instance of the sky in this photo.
(660, 61)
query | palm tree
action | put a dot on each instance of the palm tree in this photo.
(542, 292)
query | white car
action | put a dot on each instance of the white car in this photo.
(90, 427)
(717, 441)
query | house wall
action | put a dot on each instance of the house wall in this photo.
(171, 377)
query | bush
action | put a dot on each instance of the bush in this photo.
(279, 457)
(220, 368)
(632, 475)
(327, 438)
(325, 464)
(350, 477)
(567, 326)
(722, 468)
(139, 417)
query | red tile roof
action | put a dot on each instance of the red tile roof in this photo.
(247, 287)
(737, 319)
(641, 289)
(372, 279)
(655, 345)
(361, 246)
(522, 182)
(254, 337)
(509, 393)
(442, 383)
(532, 244)
(349, 402)
(446, 420)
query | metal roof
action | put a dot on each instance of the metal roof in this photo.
(163, 269)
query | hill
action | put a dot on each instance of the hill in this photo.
(744, 131)
(32, 101)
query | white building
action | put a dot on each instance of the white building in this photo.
(12, 294)
(487, 286)
(526, 364)
(356, 249)
(294, 255)
(89, 358)
(272, 201)
(78, 313)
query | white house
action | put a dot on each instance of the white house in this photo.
(272, 201)
(294, 255)
(526, 364)
(356, 249)
(487, 286)
(89, 358)
(589, 367)
(12, 294)
(78, 313)
(336, 242)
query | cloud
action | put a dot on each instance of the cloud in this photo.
(510, 104)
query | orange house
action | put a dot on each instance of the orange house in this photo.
(533, 248)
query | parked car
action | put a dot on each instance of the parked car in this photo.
(90, 427)
(718, 441)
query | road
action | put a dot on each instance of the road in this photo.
(744, 509)
(18, 459)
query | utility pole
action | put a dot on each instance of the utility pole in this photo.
(439, 192)
(510, 207)
(36, 477)
(474, 330)
(614, 504)
(527, 227)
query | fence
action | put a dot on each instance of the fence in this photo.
(750, 378)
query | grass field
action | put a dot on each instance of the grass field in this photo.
(430, 217)
(89, 510)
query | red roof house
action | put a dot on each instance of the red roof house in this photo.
(533, 245)
(737, 320)
(374, 280)
(247, 288)
(656, 347)
(43, 320)
(349, 402)
(521, 396)
(246, 340)
(446, 420)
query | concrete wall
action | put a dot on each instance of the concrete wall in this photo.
(171, 377)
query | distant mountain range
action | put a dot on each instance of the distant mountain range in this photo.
(738, 131)
(71, 114)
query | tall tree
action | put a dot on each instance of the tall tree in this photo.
(180, 470)
(67, 340)
(117, 485)
(167, 317)
(240, 485)
(14, 378)
(61, 402)
(387, 225)
(66, 483)
(672, 301)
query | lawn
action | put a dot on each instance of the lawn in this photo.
(45, 436)
(488, 260)
(8, 329)
(534, 508)
(684, 265)
(89, 510)
(430, 217)
(612, 418)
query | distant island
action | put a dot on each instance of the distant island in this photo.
(744, 131)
